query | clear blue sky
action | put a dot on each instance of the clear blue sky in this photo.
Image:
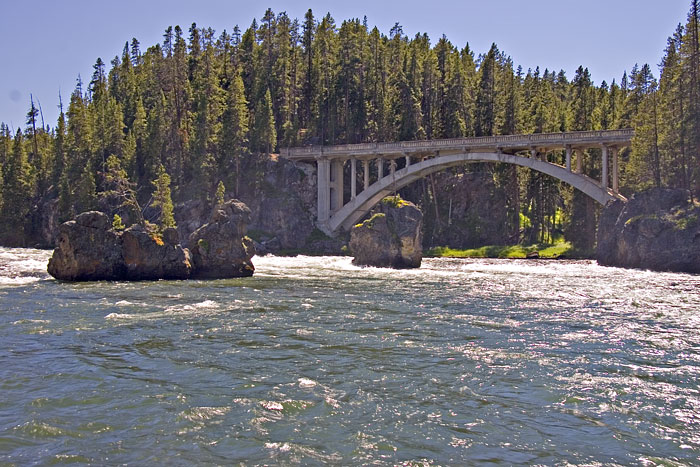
(45, 44)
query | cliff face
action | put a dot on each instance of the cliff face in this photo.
(283, 207)
(282, 211)
(658, 229)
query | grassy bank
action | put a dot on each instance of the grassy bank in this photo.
(563, 249)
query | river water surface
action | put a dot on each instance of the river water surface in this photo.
(315, 361)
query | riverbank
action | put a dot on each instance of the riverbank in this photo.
(559, 250)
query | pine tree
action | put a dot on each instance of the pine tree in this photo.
(59, 159)
(220, 193)
(307, 41)
(643, 169)
(119, 192)
(85, 195)
(17, 193)
(234, 138)
(264, 133)
(673, 115)
(485, 118)
(163, 200)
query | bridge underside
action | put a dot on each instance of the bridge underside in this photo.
(358, 207)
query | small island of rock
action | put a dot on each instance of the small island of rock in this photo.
(89, 248)
(391, 237)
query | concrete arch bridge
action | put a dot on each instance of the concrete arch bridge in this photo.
(387, 167)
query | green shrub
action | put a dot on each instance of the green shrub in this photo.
(117, 223)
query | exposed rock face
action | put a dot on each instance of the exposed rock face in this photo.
(389, 238)
(657, 229)
(283, 209)
(47, 212)
(220, 248)
(87, 250)
(190, 216)
(149, 258)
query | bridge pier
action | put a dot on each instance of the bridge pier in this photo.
(323, 168)
(616, 171)
(353, 178)
(579, 160)
(365, 167)
(604, 171)
(380, 168)
(568, 157)
(336, 184)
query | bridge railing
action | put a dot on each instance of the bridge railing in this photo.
(578, 137)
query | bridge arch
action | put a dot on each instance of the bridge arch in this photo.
(435, 155)
(352, 212)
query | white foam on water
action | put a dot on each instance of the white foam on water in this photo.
(123, 316)
(306, 383)
(173, 311)
(21, 266)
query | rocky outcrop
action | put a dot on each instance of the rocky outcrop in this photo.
(190, 216)
(391, 237)
(149, 257)
(220, 248)
(658, 229)
(47, 222)
(87, 249)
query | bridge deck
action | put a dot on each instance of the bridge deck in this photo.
(509, 144)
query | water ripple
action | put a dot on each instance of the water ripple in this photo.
(316, 361)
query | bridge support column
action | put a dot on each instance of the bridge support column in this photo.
(353, 179)
(324, 190)
(392, 167)
(336, 185)
(568, 157)
(579, 160)
(408, 161)
(604, 171)
(365, 167)
(380, 169)
(615, 171)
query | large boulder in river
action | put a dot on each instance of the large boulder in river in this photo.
(220, 248)
(657, 229)
(391, 237)
(87, 250)
(148, 256)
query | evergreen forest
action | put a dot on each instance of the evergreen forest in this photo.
(202, 113)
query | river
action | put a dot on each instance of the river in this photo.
(315, 361)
